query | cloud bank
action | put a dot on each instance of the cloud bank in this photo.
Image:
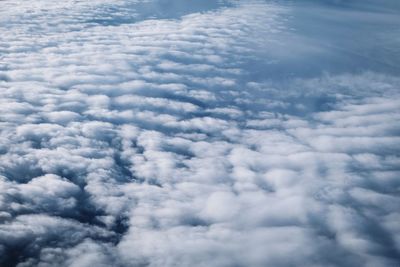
(225, 133)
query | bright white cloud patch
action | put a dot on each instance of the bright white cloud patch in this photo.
(223, 133)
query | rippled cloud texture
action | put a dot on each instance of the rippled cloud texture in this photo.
(199, 133)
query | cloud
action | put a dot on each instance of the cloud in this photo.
(214, 134)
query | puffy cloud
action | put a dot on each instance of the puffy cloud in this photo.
(174, 133)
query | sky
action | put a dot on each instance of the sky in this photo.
(225, 133)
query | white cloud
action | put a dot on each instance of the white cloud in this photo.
(130, 140)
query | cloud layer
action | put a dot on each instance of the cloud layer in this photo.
(214, 136)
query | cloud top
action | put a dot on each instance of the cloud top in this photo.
(214, 134)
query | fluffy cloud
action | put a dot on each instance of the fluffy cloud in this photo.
(207, 135)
